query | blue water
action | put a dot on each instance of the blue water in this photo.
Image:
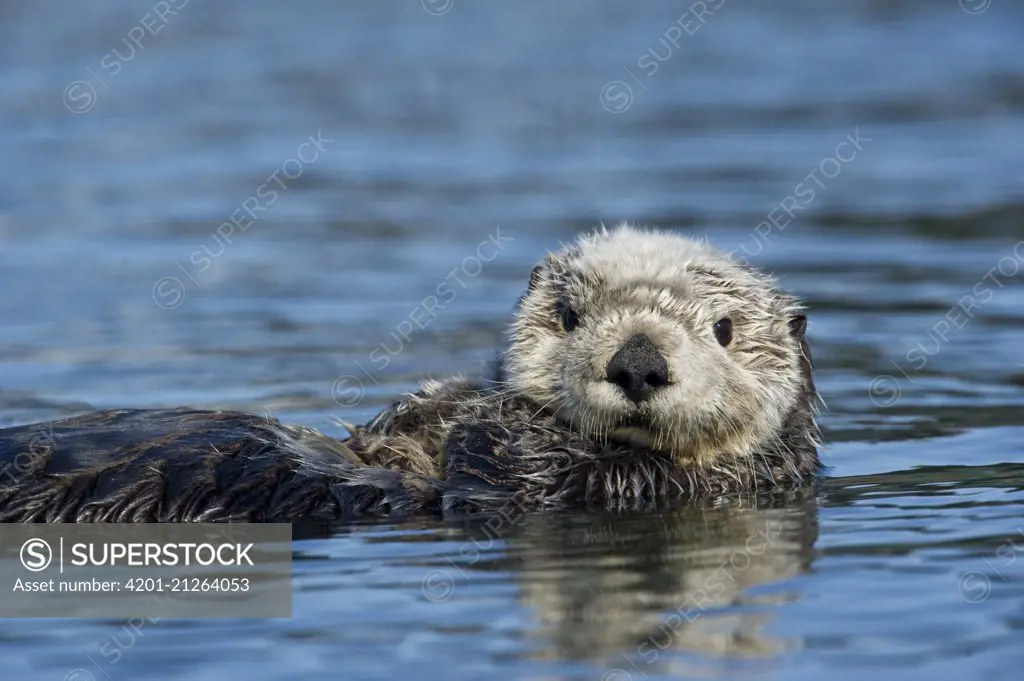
(445, 123)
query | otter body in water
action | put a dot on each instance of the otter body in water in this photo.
(640, 367)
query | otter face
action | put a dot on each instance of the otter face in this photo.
(658, 341)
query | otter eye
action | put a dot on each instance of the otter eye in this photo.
(723, 331)
(570, 318)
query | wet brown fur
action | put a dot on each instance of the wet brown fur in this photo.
(469, 446)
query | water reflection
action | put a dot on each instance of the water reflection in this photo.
(635, 591)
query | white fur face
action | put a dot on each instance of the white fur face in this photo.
(720, 400)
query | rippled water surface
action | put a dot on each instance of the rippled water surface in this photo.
(441, 126)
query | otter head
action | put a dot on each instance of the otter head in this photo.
(661, 342)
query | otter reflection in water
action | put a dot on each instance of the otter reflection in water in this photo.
(640, 367)
(665, 592)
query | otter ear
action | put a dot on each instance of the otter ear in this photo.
(535, 277)
(798, 326)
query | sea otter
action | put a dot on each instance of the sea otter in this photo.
(640, 367)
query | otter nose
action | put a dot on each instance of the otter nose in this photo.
(638, 368)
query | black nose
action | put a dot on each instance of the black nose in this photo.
(638, 368)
